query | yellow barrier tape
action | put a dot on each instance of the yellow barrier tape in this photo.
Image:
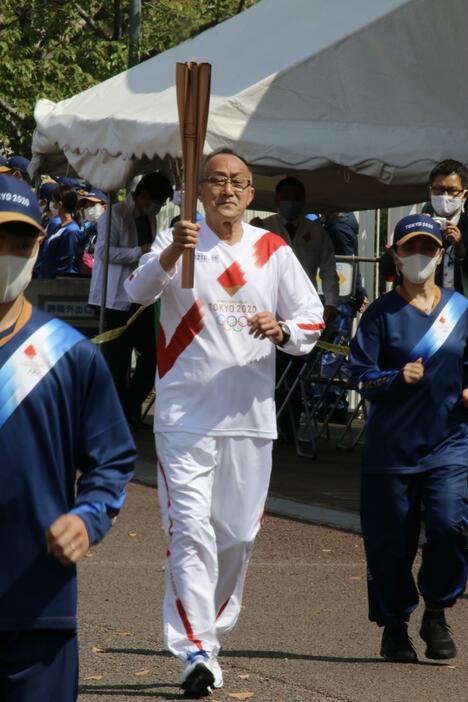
(334, 348)
(115, 333)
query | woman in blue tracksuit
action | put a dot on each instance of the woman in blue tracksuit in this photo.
(409, 359)
(61, 245)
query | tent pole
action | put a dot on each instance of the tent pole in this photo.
(377, 253)
(105, 267)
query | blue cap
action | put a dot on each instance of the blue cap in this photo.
(95, 195)
(18, 163)
(18, 203)
(70, 182)
(46, 189)
(416, 225)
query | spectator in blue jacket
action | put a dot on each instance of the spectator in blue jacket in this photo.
(92, 205)
(60, 247)
(45, 196)
(50, 220)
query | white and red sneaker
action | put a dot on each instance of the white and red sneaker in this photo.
(202, 674)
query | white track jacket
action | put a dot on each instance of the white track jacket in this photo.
(213, 377)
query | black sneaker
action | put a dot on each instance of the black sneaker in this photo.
(396, 644)
(436, 633)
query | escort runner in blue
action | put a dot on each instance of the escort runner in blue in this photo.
(60, 419)
(410, 360)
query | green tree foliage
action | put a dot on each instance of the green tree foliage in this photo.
(57, 48)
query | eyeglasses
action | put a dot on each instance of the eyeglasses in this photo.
(456, 192)
(217, 182)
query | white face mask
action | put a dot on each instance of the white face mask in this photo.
(93, 213)
(15, 276)
(447, 205)
(417, 268)
(53, 209)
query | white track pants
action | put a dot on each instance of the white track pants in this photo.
(212, 492)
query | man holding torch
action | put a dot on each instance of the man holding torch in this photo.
(215, 412)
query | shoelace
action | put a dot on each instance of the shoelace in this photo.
(193, 654)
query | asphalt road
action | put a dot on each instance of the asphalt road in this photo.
(303, 634)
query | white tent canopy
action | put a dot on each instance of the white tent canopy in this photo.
(359, 99)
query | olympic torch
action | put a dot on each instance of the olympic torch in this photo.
(193, 82)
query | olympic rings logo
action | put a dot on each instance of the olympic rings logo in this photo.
(231, 322)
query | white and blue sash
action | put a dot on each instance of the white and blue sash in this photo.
(440, 329)
(31, 362)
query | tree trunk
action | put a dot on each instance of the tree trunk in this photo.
(117, 33)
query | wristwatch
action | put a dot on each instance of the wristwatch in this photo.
(286, 333)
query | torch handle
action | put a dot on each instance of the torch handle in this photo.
(193, 96)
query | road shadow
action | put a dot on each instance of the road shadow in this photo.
(287, 655)
(280, 655)
(154, 690)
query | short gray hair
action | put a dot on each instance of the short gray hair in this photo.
(228, 152)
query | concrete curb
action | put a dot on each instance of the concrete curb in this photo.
(314, 514)
(145, 472)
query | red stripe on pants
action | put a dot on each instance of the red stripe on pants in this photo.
(222, 608)
(179, 605)
(187, 625)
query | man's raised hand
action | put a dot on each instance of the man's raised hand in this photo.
(184, 237)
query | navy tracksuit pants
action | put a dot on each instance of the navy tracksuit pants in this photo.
(38, 666)
(391, 518)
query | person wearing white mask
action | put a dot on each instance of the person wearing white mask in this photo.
(59, 249)
(45, 199)
(447, 189)
(409, 359)
(50, 219)
(92, 205)
(60, 420)
(448, 183)
(133, 230)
